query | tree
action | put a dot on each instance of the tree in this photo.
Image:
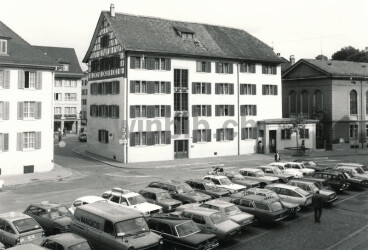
(350, 53)
(297, 124)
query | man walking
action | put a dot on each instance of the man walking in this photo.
(277, 157)
(317, 204)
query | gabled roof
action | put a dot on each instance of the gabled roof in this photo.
(156, 35)
(334, 68)
(63, 56)
(21, 52)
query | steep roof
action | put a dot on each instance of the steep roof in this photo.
(149, 34)
(63, 56)
(21, 52)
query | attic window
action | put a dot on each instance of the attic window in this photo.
(3, 46)
(184, 32)
(105, 41)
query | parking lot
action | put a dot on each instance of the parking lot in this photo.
(343, 226)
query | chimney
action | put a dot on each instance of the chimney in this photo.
(292, 59)
(278, 54)
(112, 10)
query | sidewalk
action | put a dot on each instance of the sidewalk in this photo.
(57, 173)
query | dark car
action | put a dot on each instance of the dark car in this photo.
(66, 241)
(320, 183)
(82, 137)
(207, 187)
(354, 181)
(53, 218)
(276, 172)
(313, 165)
(181, 191)
(265, 209)
(327, 196)
(241, 180)
(160, 197)
(335, 179)
(181, 233)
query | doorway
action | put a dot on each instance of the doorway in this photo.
(272, 135)
(181, 149)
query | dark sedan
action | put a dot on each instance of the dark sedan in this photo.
(160, 197)
(241, 180)
(313, 165)
(335, 179)
(207, 187)
(354, 181)
(82, 137)
(66, 241)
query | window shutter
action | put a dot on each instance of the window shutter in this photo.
(242, 68)
(254, 133)
(132, 111)
(242, 86)
(208, 88)
(209, 110)
(6, 79)
(217, 110)
(20, 110)
(242, 110)
(132, 139)
(150, 111)
(217, 67)
(168, 63)
(263, 69)
(231, 88)
(38, 110)
(168, 137)
(150, 87)
(195, 136)
(275, 89)
(231, 68)
(217, 88)
(208, 67)
(254, 109)
(199, 66)
(168, 87)
(243, 133)
(167, 111)
(38, 140)
(132, 86)
(2, 142)
(208, 135)
(150, 141)
(263, 89)
(20, 79)
(218, 134)
(231, 110)
(274, 70)
(254, 89)
(116, 111)
(117, 87)
(194, 89)
(150, 63)
(194, 113)
(132, 62)
(5, 143)
(19, 141)
(38, 80)
(231, 134)
(5, 111)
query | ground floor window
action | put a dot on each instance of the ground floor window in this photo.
(353, 131)
(285, 134)
(103, 136)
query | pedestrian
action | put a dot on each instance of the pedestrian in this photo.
(302, 147)
(317, 204)
(64, 132)
(260, 147)
(59, 135)
(277, 157)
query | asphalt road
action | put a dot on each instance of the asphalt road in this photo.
(344, 226)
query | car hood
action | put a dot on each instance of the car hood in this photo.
(233, 186)
(146, 207)
(63, 221)
(361, 177)
(227, 226)
(294, 172)
(325, 192)
(269, 178)
(219, 191)
(169, 202)
(197, 238)
(195, 195)
(240, 217)
(289, 204)
(142, 241)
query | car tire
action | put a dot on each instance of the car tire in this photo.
(262, 184)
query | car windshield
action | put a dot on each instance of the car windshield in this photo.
(134, 200)
(310, 163)
(210, 186)
(218, 218)
(276, 206)
(131, 227)
(348, 175)
(359, 171)
(59, 212)
(365, 168)
(232, 210)
(239, 177)
(184, 188)
(314, 187)
(80, 246)
(187, 228)
(259, 173)
(277, 171)
(225, 181)
(26, 225)
(318, 185)
(163, 196)
(301, 191)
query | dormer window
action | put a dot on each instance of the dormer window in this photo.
(3, 46)
(187, 35)
(184, 32)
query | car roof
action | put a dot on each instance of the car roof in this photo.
(267, 166)
(301, 181)
(122, 192)
(219, 203)
(170, 220)
(154, 190)
(14, 216)
(170, 182)
(280, 185)
(216, 176)
(110, 211)
(46, 205)
(352, 164)
(66, 239)
(200, 180)
(90, 198)
(250, 169)
(259, 198)
(201, 211)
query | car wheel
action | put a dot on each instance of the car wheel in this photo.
(262, 184)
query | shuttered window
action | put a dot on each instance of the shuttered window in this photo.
(201, 135)
(224, 88)
(150, 63)
(103, 136)
(4, 142)
(224, 110)
(269, 69)
(224, 67)
(248, 89)
(150, 138)
(268, 89)
(285, 134)
(248, 110)
(224, 134)
(247, 68)
(150, 87)
(4, 79)
(204, 66)
(4, 110)
(203, 88)
(249, 133)
(201, 110)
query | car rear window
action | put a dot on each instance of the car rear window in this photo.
(262, 206)
(187, 228)
(80, 246)
(276, 206)
(302, 192)
(26, 225)
(218, 218)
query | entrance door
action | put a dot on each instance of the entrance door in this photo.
(181, 149)
(272, 142)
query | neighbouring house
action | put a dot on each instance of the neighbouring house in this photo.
(67, 88)
(26, 112)
(333, 92)
(84, 107)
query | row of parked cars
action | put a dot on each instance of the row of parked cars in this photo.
(195, 214)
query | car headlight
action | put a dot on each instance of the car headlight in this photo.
(169, 208)
(161, 241)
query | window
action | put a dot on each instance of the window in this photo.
(4, 142)
(180, 78)
(84, 101)
(4, 110)
(269, 69)
(65, 67)
(201, 135)
(137, 138)
(29, 110)
(66, 110)
(113, 111)
(262, 206)
(67, 97)
(304, 133)
(292, 101)
(58, 83)
(3, 46)
(73, 96)
(201, 110)
(353, 131)
(353, 102)
(248, 89)
(269, 89)
(137, 111)
(180, 125)
(150, 87)
(150, 138)
(224, 110)
(305, 102)
(28, 140)
(57, 96)
(285, 134)
(249, 133)
(248, 110)
(103, 136)
(57, 110)
(1, 78)
(150, 63)
(247, 68)
(73, 83)
(30, 80)
(222, 67)
(225, 134)
(203, 66)
(105, 41)
(180, 102)
(224, 89)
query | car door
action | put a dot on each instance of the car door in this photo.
(283, 194)
(52, 245)
(42, 217)
(8, 236)
(107, 237)
(294, 197)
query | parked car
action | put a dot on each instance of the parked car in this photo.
(284, 167)
(300, 166)
(313, 165)
(82, 137)
(320, 183)
(208, 187)
(27, 246)
(355, 182)
(181, 233)
(212, 221)
(2, 246)
(335, 179)
(224, 182)
(265, 209)
(66, 241)
(54, 218)
(358, 165)
(160, 197)
(241, 180)
(292, 194)
(127, 198)
(17, 228)
(181, 191)
(85, 200)
(327, 196)
(355, 171)
(276, 172)
(257, 175)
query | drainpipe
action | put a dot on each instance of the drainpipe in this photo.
(126, 108)
(238, 106)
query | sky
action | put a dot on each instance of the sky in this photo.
(303, 28)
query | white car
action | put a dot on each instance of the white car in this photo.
(85, 200)
(281, 165)
(132, 200)
(257, 174)
(300, 166)
(224, 182)
(291, 194)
